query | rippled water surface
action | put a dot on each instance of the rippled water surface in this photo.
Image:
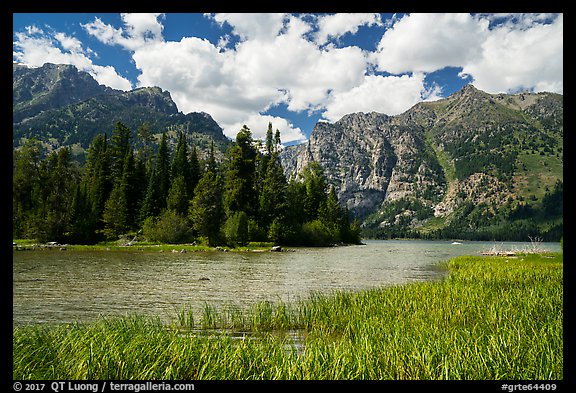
(66, 286)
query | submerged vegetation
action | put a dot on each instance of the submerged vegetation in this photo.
(491, 318)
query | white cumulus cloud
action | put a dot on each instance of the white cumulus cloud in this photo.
(336, 25)
(385, 94)
(429, 42)
(237, 85)
(247, 26)
(35, 47)
(520, 56)
(501, 53)
(138, 30)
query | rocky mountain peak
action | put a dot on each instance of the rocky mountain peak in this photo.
(67, 106)
(51, 86)
(424, 163)
(154, 97)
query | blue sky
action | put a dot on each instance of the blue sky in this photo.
(296, 69)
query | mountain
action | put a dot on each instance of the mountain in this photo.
(60, 105)
(473, 165)
(49, 87)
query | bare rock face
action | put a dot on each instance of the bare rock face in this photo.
(369, 158)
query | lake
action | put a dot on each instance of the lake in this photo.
(54, 286)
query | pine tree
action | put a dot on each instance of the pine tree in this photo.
(240, 193)
(273, 197)
(97, 179)
(236, 229)
(178, 196)
(269, 141)
(262, 162)
(59, 182)
(130, 183)
(119, 145)
(267, 154)
(331, 215)
(151, 204)
(26, 186)
(315, 184)
(140, 184)
(195, 172)
(158, 185)
(181, 164)
(119, 211)
(115, 214)
(82, 219)
(163, 171)
(206, 209)
(145, 154)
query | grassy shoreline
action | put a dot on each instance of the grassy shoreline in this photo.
(491, 318)
(26, 244)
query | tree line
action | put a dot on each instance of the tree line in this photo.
(174, 196)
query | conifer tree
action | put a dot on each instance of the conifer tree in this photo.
(59, 182)
(195, 172)
(119, 211)
(315, 189)
(178, 196)
(180, 189)
(82, 219)
(97, 179)
(130, 183)
(180, 163)
(145, 154)
(115, 214)
(206, 210)
(331, 215)
(158, 185)
(150, 204)
(26, 187)
(273, 197)
(163, 171)
(240, 193)
(119, 145)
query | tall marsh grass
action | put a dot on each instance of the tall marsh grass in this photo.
(491, 318)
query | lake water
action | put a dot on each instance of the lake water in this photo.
(67, 286)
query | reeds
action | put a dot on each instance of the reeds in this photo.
(492, 318)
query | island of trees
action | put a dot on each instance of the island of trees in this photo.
(128, 189)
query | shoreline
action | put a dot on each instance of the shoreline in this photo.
(138, 246)
(29, 245)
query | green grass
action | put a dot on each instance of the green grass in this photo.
(28, 244)
(443, 158)
(535, 173)
(491, 318)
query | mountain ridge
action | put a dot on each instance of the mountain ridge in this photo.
(416, 173)
(63, 106)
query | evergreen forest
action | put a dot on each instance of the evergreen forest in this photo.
(149, 191)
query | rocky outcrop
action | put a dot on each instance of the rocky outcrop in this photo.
(369, 158)
(440, 155)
